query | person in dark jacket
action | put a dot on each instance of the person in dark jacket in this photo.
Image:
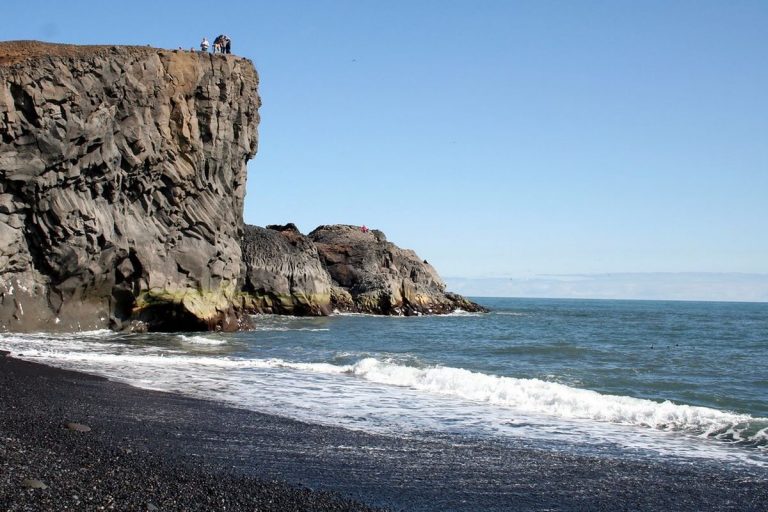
(218, 44)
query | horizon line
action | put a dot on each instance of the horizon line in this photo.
(736, 301)
(596, 274)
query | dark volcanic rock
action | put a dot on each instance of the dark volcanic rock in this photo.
(340, 268)
(283, 273)
(375, 276)
(122, 177)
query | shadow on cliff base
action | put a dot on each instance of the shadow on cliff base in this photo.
(168, 318)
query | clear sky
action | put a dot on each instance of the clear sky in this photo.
(496, 138)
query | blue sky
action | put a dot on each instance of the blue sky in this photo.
(496, 138)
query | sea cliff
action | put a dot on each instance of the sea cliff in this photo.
(122, 181)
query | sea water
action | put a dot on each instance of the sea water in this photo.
(642, 379)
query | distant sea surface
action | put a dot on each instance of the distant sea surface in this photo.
(640, 379)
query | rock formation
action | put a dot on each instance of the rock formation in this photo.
(341, 268)
(283, 273)
(373, 275)
(122, 178)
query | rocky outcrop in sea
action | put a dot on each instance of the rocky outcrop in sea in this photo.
(340, 268)
(122, 180)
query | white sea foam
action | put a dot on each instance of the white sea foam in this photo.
(79, 335)
(388, 395)
(461, 312)
(529, 396)
(551, 398)
(201, 340)
(99, 360)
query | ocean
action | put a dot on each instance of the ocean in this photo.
(636, 379)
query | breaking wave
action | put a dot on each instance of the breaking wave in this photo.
(523, 396)
(550, 398)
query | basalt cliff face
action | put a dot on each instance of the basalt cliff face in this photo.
(283, 273)
(122, 179)
(340, 268)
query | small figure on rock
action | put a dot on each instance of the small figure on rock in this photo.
(363, 228)
(218, 44)
(222, 44)
(204, 45)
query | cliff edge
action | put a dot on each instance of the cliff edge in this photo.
(122, 179)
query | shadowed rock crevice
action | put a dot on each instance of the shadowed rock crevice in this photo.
(24, 105)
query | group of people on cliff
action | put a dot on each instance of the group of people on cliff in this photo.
(222, 44)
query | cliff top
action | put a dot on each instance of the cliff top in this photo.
(14, 52)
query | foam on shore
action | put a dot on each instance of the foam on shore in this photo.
(173, 368)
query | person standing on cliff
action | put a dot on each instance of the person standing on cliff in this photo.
(227, 45)
(204, 45)
(218, 44)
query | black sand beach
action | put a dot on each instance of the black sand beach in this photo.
(158, 451)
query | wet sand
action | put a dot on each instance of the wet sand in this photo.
(149, 450)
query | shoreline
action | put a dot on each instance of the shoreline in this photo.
(150, 449)
(131, 458)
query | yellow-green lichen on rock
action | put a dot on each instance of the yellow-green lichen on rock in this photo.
(299, 303)
(188, 309)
